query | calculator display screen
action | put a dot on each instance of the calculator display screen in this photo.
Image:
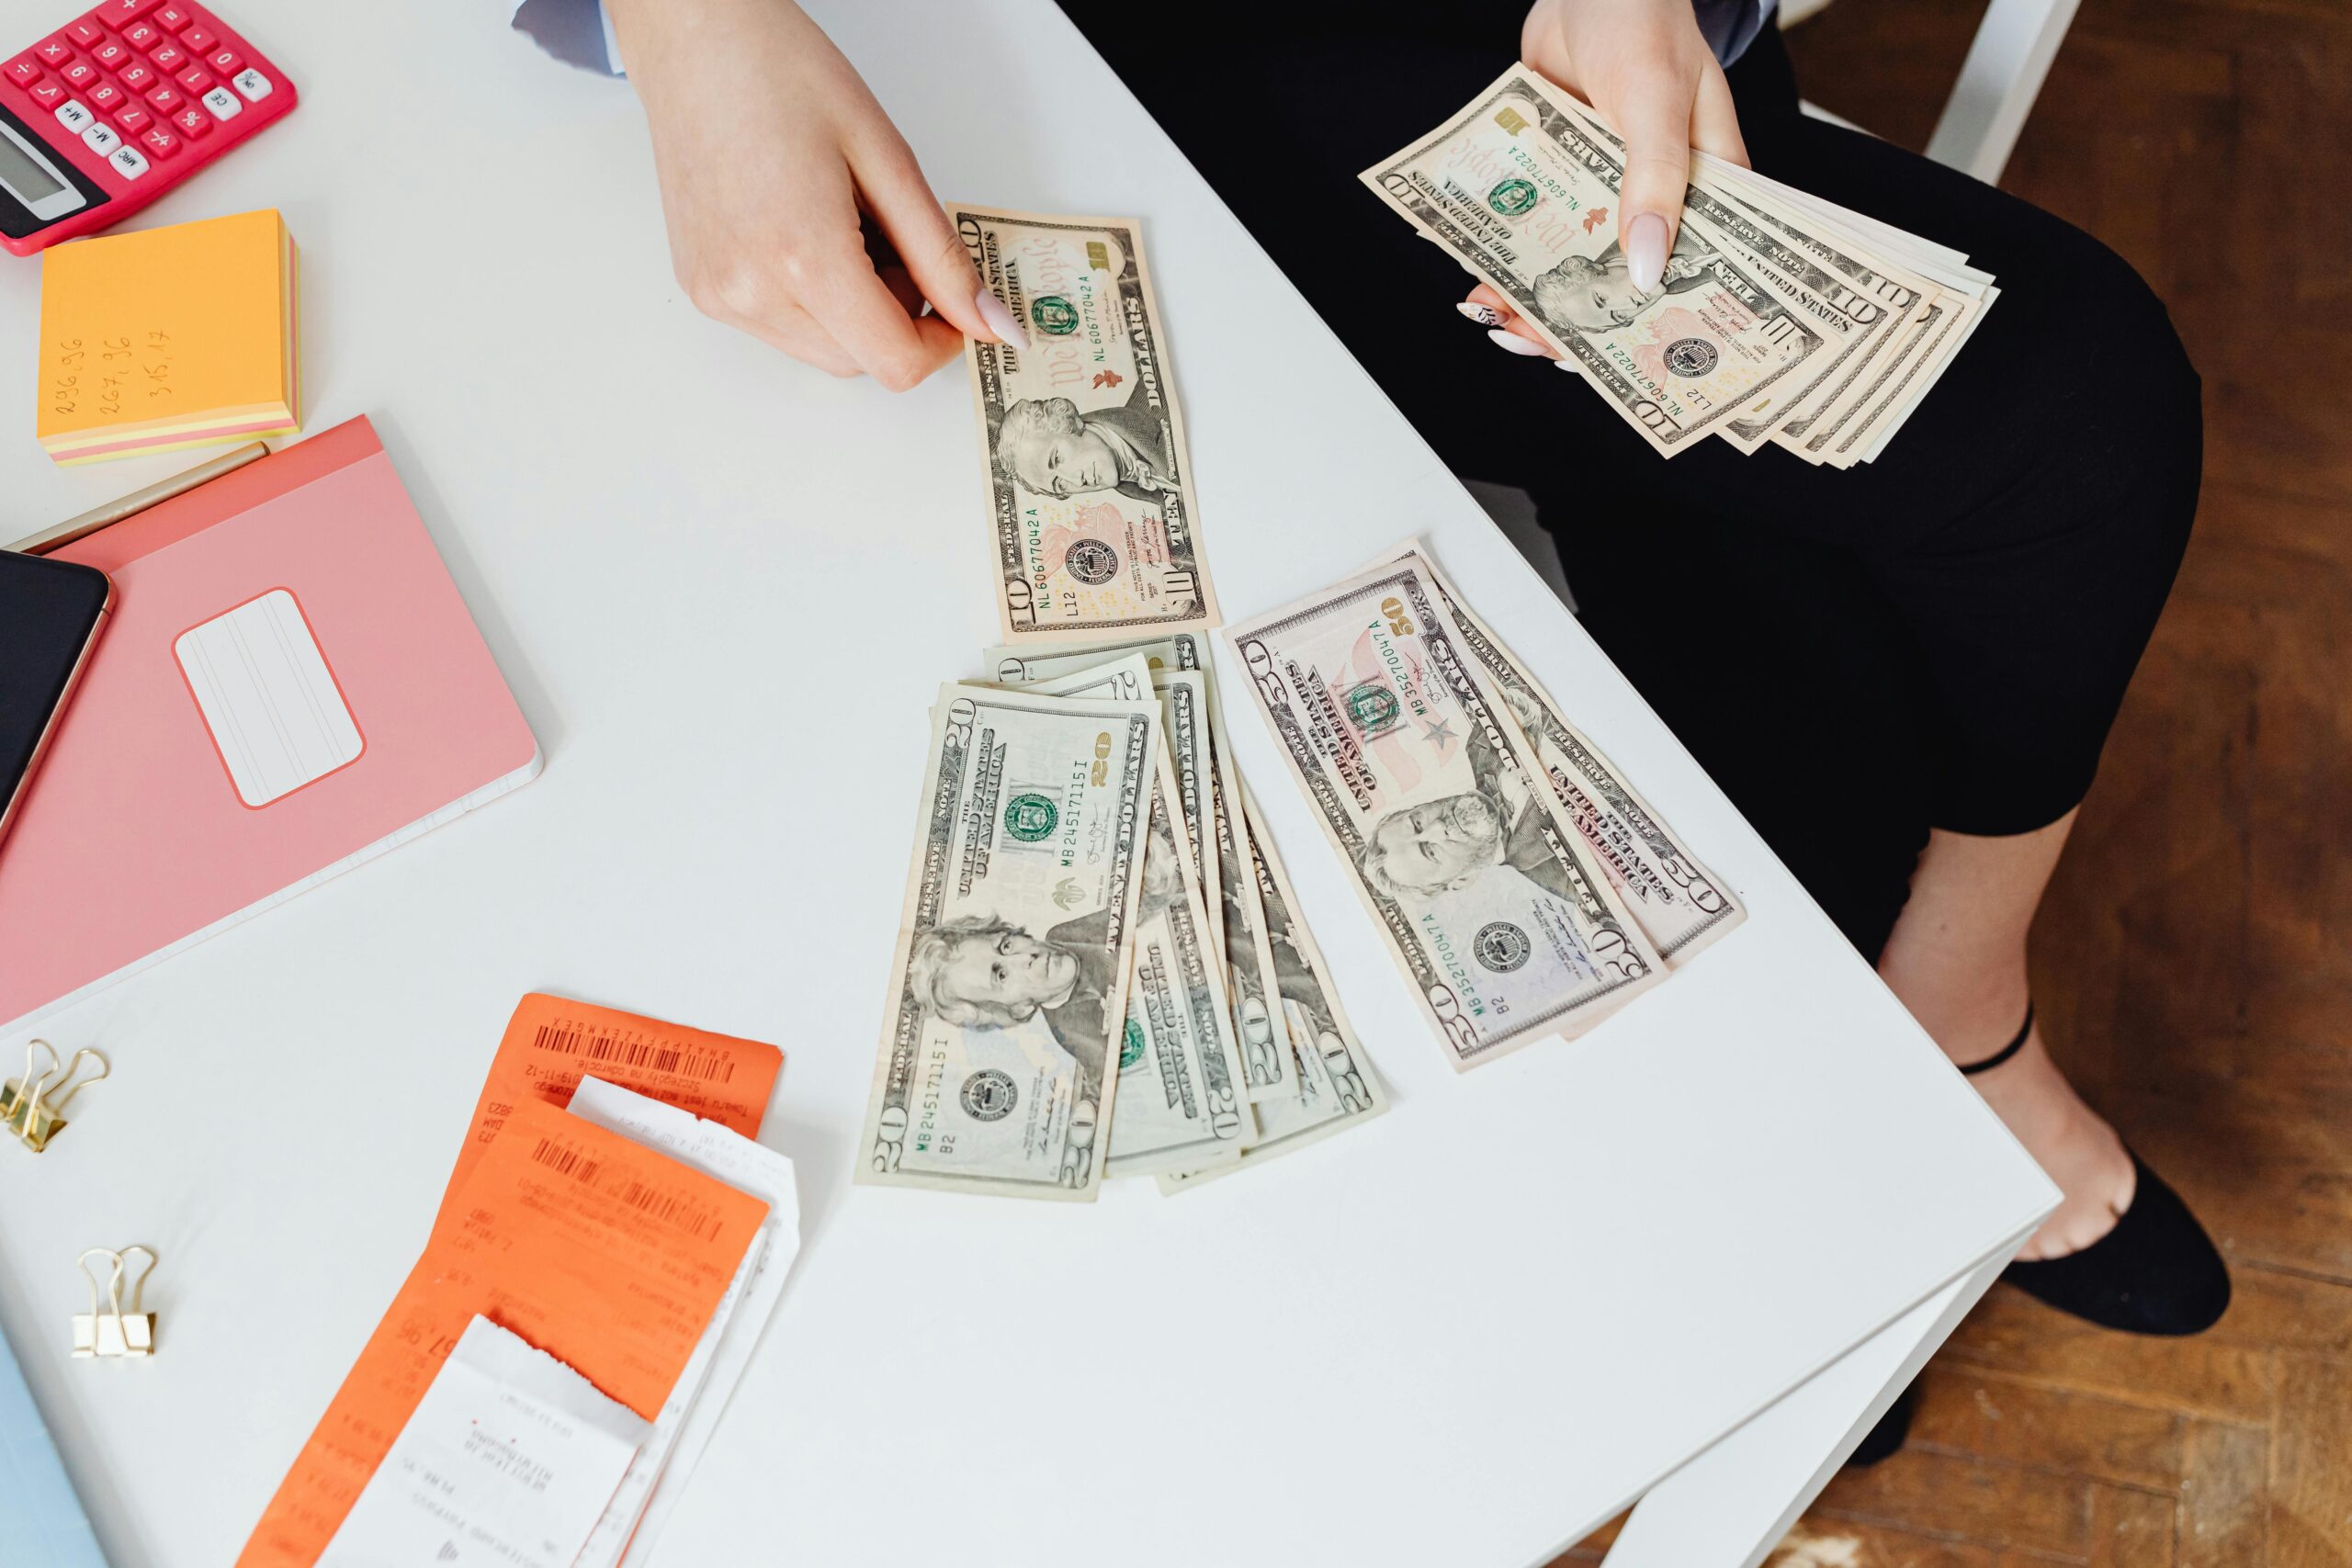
(25, 179)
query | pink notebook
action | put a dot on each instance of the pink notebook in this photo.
(290, 685)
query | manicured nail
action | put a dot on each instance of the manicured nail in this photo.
(1646, 250)
(1514, 342)
(1484, 315)
(1001, 321)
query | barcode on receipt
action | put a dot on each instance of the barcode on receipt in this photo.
(669, 1208)
(645, 1055)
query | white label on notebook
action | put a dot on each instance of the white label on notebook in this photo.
(268, 697)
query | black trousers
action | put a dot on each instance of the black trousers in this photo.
(1941, 637)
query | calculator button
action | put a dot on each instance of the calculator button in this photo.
(168, 57)
(225, 61)
(200, 41)
(171, 18)
(160, 142)
(56, 53)
(139, 78)
(120, 12)
(224, 103)
(142, 35)
(48, 95)
(106, 97)
(165, 99)
(133, 119)
(193, 123)
(81, 76)
(126, 161)
(24, 71)
(196, 79)
(74, 117)
(87, 33)
(101, 140)
(253, 84)
(113, 54)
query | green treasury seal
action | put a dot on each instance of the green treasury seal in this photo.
(1029, 817)
(1055, 316)
(1372, 706)
(1512, 198)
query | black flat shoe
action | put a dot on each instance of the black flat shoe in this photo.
(2156, 1272)
(1883, 1441)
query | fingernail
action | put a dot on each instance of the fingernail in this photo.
(1646, 250)
(1513, 342)
(1484, 315)
(1001, 321)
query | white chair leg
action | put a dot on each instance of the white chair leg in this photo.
(1998, 83)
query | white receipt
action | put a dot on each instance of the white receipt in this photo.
(683, 1430)
(508, 1461)
(268, 697)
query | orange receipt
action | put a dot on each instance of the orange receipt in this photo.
(551, 1043)
(605, 1254)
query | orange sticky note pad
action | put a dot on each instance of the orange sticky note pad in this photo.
(609, 1257)
(165, 338)
(552, 1043)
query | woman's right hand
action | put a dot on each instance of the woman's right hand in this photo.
(1645, 66)
(796, 211)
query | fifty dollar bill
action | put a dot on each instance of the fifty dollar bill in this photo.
(1681, 905)
(1432, 796)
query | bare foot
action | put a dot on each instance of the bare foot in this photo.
(2069, 1140)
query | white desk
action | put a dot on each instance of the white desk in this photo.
(724, 588)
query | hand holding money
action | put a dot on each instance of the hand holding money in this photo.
(1081, 446)
(1645, 67)
(1775, 317)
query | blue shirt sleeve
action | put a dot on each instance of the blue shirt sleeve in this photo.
(575, 31)
(1730, 26)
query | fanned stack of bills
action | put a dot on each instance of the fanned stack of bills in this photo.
(1525, 889)
(1781, 318)
(1102, 970)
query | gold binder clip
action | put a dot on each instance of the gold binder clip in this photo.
(112, 1331)
(33, 1107)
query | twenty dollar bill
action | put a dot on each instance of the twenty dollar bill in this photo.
(1009, 985)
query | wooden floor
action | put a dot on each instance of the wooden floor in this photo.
(2194, 961)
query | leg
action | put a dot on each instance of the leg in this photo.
(1957, 959)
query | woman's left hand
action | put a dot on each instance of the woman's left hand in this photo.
(1645, 66)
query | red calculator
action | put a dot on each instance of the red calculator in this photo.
(114, 108)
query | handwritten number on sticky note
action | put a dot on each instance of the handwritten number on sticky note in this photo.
(69, 355)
